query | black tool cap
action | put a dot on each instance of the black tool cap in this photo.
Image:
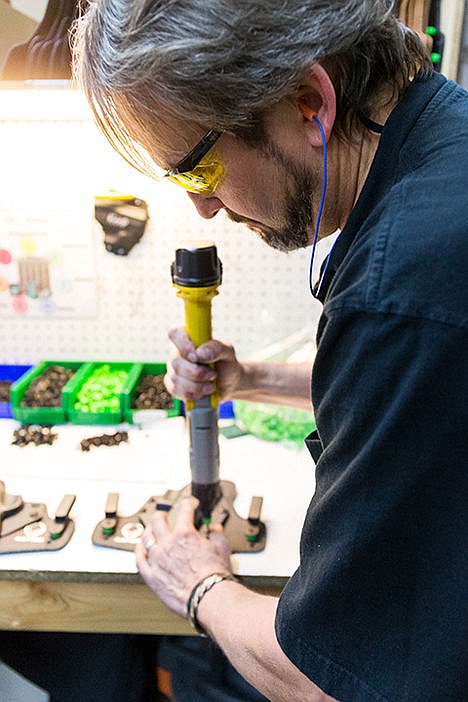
(196, 265)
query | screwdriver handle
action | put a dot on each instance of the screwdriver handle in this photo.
(197, 306)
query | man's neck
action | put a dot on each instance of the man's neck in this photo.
(349, 164)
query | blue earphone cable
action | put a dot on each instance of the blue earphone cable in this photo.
(319, 212)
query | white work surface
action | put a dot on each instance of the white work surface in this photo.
(154, 459)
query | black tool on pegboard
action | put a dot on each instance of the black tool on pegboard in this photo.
(123, 219)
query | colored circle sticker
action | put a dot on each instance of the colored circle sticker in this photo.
(28, 246)
(20, 304)
(47, 306)
(32, 290)
(5, 256)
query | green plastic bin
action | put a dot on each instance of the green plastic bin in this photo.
(113, 415)
(42, 415)
(129, 391)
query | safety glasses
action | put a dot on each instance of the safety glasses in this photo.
(196, 173)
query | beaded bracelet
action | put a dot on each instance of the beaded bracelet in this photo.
(198, 593)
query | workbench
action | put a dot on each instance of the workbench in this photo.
(89, 588)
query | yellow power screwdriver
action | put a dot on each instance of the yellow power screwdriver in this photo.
(196, 273)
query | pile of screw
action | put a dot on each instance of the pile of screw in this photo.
(33, 434)
(151, 393)
(104, 440)
(5, 386)
(46, 389)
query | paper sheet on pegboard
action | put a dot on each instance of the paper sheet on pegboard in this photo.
(43, 271)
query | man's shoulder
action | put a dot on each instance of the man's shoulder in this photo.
(405, 249)
(438, 139)
(410, 255)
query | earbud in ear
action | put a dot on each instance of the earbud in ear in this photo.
(306, 110)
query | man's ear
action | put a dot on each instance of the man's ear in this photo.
(317, 97)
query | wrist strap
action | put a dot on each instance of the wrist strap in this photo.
(198, 593)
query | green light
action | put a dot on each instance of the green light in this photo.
(435, 57)
(431, 30)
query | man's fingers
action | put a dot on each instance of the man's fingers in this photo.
(192, 371)
(213, 351)
(189, 381)
(209, 352)
(186, 515)
(141, 560)
(182, 341)
(184, 521)
(159, 525)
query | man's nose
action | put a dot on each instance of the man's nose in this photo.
(206, 206)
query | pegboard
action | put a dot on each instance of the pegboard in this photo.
(121, 307)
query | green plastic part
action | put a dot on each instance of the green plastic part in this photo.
(431, 30)
(100, 392)
(273, 423)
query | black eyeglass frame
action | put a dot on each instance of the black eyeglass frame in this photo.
(193, 158)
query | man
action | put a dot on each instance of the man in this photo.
(244, 104)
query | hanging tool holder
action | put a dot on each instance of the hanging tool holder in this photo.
(26, 526)
(196, 273)
(124, 532)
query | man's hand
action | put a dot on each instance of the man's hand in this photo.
(173, 562)
(189, 375)
(242, 622)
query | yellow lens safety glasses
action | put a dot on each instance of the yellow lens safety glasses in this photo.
(196, 174)
(203, 179)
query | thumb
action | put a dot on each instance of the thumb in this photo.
(213, 351)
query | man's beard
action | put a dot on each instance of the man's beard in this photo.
(298, 210)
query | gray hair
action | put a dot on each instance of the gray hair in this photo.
(222, 63)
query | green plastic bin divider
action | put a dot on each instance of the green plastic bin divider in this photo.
(129, 390)
(41, 415)
(75, 383)
(81, 417)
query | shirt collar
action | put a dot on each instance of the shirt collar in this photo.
(383, 171)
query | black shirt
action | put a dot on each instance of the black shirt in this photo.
(377, 609)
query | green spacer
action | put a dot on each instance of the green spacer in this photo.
(431, 30)
(108, 531)
(206, 520)
(55, 535)
(252, 537)
(435, 57)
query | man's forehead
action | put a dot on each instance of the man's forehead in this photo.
(169, 140)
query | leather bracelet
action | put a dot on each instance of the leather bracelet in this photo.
(198, 593)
